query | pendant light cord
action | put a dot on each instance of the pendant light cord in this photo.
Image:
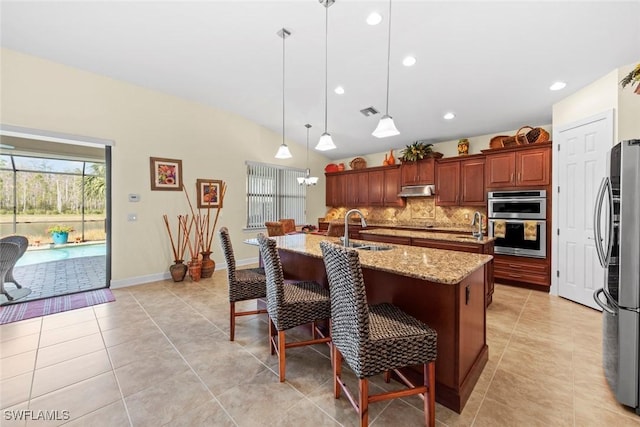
(388, 58)
(284, 36)
(308, 172)
(326, 61)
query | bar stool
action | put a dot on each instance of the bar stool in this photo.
(246, 284)
(290, 305)
(288, 225)
(374, 339)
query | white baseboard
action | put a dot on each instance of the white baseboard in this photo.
(157, 277)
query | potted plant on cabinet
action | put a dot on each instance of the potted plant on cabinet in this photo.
(60, 233)
(632, 78)
(419, 150)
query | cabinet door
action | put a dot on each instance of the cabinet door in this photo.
(335, 190)
(392, 187)
(426, 171)
(447, 183)
(409, 172)
(500, 170)
(357, 189)
(351, 183)
(472, 190)
(532, 167)
(376, 188)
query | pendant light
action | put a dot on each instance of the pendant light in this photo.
(283, 151)
(386, 127)
(307, 179)
(326, 143)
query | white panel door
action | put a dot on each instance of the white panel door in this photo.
(581, 165)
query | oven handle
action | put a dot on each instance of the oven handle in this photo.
(536, 199)
(539, 221)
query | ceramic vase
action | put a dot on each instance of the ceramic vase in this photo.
(208, 265)
(178, 270)
(385, 162)
(391, 160)
(195, 269)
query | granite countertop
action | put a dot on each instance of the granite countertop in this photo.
(457, 238)
(435, 265)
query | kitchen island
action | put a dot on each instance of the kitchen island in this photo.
(444, 289)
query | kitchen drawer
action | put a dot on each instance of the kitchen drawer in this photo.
(527, 270)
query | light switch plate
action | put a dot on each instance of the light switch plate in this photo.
(132, 217)
(134, 197)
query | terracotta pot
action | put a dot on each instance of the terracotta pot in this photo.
(178, 271)
(208, 265)
(195, 270)
(391, 160)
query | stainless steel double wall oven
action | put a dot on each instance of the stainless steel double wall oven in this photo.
(513, 210)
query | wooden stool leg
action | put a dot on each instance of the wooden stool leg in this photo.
(430, 395)
(363, 404)
(387, 376)
(281, 355)
(271, 334)
(232, 320)
(337, 371)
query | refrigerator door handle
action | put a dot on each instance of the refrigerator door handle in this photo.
(603, 305)
(609, 191)
(597, 218)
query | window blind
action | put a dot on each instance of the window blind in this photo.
(273, 193)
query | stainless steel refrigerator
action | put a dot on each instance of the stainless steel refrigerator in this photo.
(617, 236)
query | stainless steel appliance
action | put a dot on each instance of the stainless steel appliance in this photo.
(512, 210)
(618, 248)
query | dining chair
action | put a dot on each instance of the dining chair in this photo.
(290, 305)
(245, 284)
(274, 228)
(288, 225)
(335, 230)
(374, 339)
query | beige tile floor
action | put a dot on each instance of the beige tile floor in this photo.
(160, 355)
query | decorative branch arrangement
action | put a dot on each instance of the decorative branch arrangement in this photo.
(204, 229)
(179, 245)
(192, 245)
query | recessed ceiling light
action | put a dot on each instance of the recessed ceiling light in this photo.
(374, 18)
(409, 61)
(449, 116)
(557, 86)
(339, 90)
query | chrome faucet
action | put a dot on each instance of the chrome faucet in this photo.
(346, 224)
(477, 220)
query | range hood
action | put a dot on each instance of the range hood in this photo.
(417, 191)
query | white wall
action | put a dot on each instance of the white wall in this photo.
(628, 107)
(211, 143)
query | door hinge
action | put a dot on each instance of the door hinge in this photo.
(558, 189)
(558, 231)
(558, 147)
(557, 273)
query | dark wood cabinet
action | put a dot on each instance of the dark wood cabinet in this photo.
(460, 182)
(392, 180)
(522, 166)
(376, 188)
(335, 189)
(420, 172)
(357, 189)
(533, 272)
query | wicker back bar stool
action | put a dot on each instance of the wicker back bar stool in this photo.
(288, 225)
(245, 284)
(374, 339)
(290, 305)
(23, 244)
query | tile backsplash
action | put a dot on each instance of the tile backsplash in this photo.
(418, 211)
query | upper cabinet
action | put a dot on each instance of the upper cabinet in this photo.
(357, 186)
(335, 190)
(384, 186)
(420, 172)
(522, 166)
(460, 181)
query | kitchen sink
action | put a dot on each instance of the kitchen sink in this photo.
(375, 248)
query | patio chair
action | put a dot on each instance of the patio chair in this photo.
(23, 244)
(9, 255)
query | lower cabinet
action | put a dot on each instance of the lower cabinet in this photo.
(487, 249)
(530, 271)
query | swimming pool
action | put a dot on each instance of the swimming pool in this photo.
(36, 256)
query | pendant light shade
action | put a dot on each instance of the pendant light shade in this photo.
(326, 142)
(386, 127)
(308, 179)
(283, 150)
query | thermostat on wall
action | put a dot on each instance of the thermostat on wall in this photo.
(134, 197)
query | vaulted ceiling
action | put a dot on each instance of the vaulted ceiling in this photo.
(491, 63)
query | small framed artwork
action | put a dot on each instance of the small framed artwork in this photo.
(166, 174)
(209, 193)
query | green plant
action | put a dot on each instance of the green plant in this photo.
(416, 151)
(60, 229)
(633, 76)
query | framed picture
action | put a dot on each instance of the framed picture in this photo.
(166, 174)
(209, 193)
